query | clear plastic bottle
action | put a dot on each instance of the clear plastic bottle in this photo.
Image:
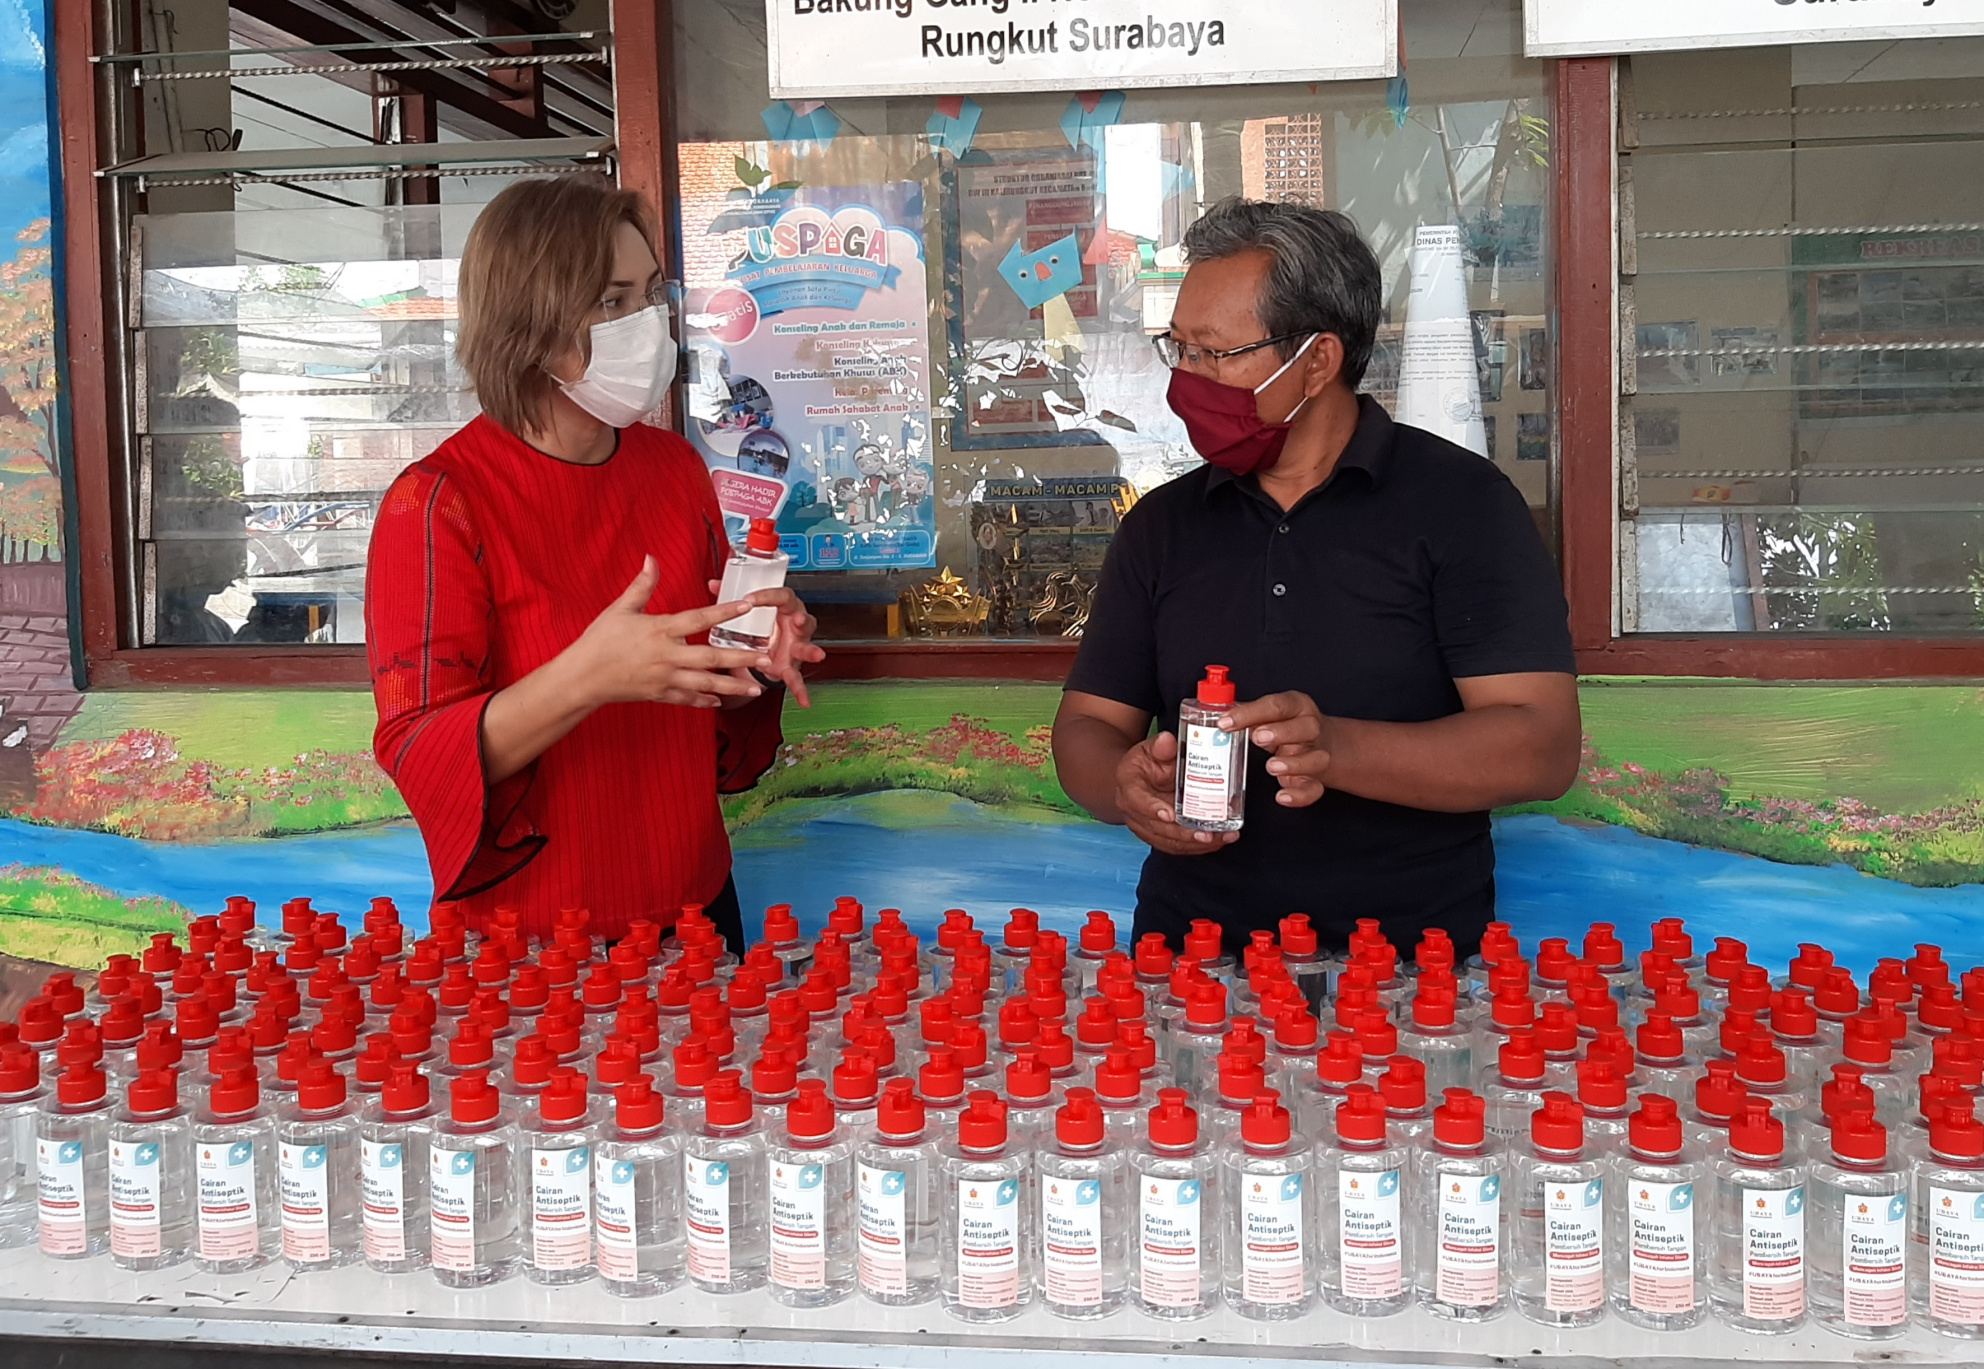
(724, 1199)
(1514, 1091)
(896, 1197)
(985, 1235)
(1081, 1175)
(637, 1196)
(1758, 1279)
(1175, 1250)
(554, 1181)
(238, 1223)
(760, 565)
(72, 1165)
(1949, 1198)
(1657, 1236)
(1212, 763)
(393, 1133)
(1858, 1276)
(475, 1231)
(151, 1175)
(1459, 1232)
(813, 1227)
(1440, 1043)
(1270, 1237)
(21, 1090)
(1196, 1040)
(1558, 1262)
(1361, 1254)
(319, 1173)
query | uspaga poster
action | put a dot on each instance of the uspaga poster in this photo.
(810, 376)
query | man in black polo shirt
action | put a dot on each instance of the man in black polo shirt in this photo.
(1392, 620)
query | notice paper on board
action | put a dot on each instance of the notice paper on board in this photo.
(1576, 28)
(827, 49)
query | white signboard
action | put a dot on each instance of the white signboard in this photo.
(825, 49)
(1574, 28)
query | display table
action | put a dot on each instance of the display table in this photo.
(357, 1312)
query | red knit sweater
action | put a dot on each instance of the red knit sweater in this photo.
(488, 559)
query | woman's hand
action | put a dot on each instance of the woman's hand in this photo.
(792, 639)
(629, 655)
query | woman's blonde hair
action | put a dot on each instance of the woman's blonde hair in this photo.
(535, 264)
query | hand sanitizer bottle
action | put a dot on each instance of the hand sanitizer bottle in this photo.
(1460, 1238)
(761, 565)
(896, 1188)
(1362, 1252)
(1174, 1251)
(393, 1131)
(234, 1156)
(1858, 1278)
(72, 1161)
(984, 1234)
(812, 1195)
(21, 1091)
(1559, 1257)
(1759, 1280)
(637, 1197)
(724, 1200)
(151, 1175)
(554, 1182)
(474, 1230)
(1658, 1234)
(318, 1172)
(1081, 1176)
(1950, 1195)
(1271, 1226)
(1212, 764)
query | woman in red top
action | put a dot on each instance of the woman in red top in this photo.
(539, 590)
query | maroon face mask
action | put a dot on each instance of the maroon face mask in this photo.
(1225, 423)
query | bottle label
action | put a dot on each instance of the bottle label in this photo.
(1774, 1253)
(230, 1228)
(1469, 1269)
(1574, 1256)
(1205, 774)
(706, 1204)
(1661, 1248)
(1956, 1256)
(306, 1203)
(1368, 1245)
(561, 1207)
(1875, 1261)
(988, 1242)
(1272, 1259)
(615, 1247)
(1071, 1253)
(64, 1230)
(1169, 1230)
(884, 1241)
(135, 1231)
(451, 1209)
(382, 1185)
(799, 1226)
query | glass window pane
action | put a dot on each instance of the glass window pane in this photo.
(1810, 337)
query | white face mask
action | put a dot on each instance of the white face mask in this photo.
(633, 361)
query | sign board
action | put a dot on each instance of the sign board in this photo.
(827, 49)
(1576, 28)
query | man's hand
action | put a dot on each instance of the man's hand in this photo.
(1296, 735)
(1146, 786)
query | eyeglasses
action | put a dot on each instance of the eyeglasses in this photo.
(1175, 353)
(665, 295)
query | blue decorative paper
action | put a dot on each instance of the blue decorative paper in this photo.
(1398, 98)
(818, 125)
(955, 133)
(1037, 277)
(1084, 125)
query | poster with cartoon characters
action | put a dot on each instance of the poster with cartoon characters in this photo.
(809, 372)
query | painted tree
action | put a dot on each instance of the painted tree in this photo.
(31, 501)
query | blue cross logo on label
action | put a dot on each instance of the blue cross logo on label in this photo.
(1086, 1192)
(389, 1157)
(577, 1159)
(464, 1162)
(1977, 1208)
(1008, 1194)
(716, 1174)
(1188, 1192)
(1682, 1198)
(241, 1153)
(71, 1152)
(1593, 1192)
(623, 1172)
(1291, 1187)
(1897, 1207)
(1388, 1183)
(313, 1157)
(146, 1154)
(892, 1183)
(1491, 1188)
(810, 1176)
(1794, 1202)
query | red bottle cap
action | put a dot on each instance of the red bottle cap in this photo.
(1754, 1132)
(406, 1089)
(234, 1092)
(1728, 956)
(1460, 1122)
(1957, 1134)
(942, 1078)
(900, 1113)
(1858, 1137)
(1403, 1085)
(1602, 947)
(472, 1100)
(1078, 1122)
(1655, 1130)
(1173, 1123)
(1341, 1061)
(1497, 944)
(982, 1125)
(695, 1067)
(810, 1116)
(161, 1047)
(1660, 1039)
(1558, 1125)
(1927, 966)
(1596, 1008)
(1867, 1042)
(774, 1073)
(1361, 1116)
(1939, 1007)
(1377, 1034)
(1432, 1008)
(1792, 1016)
(319, 1086)
(1737, 1026)
(1099, 934)
(1557, 1028)
(1264, 1123)
(1717, 1094)
(1759, 1063)
(1808, 967)
(1521, 1058)
(727, 1103)
(1096, 1027)
(1295, 1031)
(1028, 1077)
(1553, 960)
(855, 1083)
(1600, 1086)
(1240, 1078)
(470, 1046)
(1118, 1079)
(1837, 995)
(1205, 1010)
(1750, 989)
(195, 1017)
(152, 1092)
(1215, 690)
(1153, 956)
(1298, 938)
(1513, 1008)
(1204, 940)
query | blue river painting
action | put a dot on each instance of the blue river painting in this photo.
(924, 853)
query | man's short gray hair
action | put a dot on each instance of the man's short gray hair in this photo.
(1325, 278)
